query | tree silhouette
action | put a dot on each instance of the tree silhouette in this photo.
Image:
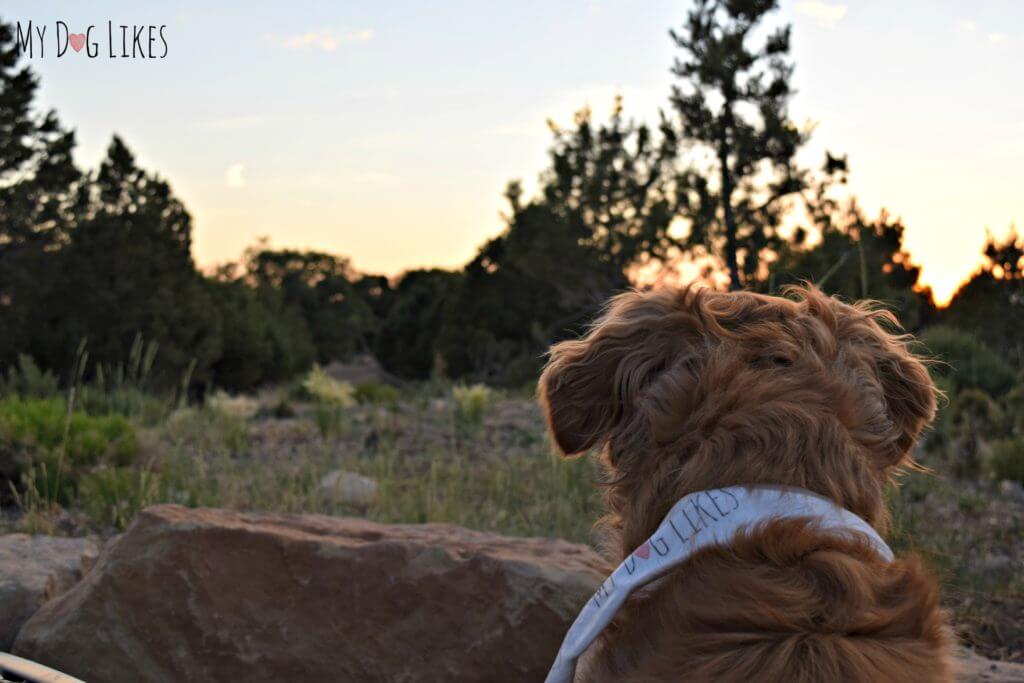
(732, 107)
(320, 286)
(127, 270)
(608, 184)
(993, 299)
(1006, 258)
(603, 208)
(37, 178)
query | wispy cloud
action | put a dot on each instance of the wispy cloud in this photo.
(826, 14)
(243, 122)
(325, 40)
(235, 176)
(967, 26)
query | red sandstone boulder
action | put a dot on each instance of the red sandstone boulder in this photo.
(209, 595)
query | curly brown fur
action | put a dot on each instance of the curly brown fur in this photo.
(690, 389)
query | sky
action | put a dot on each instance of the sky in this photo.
(387, 131)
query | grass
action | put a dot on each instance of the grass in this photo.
(525, 491)
(974, 541)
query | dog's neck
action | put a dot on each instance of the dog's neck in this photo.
(635, 508)
(697, 521)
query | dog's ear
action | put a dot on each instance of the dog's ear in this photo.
(910, 395)
(592, 384)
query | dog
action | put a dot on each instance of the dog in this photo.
(690, 389)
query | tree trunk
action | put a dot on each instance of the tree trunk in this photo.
(730, 220)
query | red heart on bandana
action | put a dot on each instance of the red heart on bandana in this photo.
(77, 41)
(643, 551)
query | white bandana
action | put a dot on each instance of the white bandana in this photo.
(697, 521)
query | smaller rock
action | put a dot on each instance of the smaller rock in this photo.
(342, 487)
(993, 564)
(1011, 489)
(35, 569)
(973, 668)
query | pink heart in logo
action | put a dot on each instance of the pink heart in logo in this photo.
(643, 551)
(77, 41)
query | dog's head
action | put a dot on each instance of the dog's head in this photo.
(687, 389)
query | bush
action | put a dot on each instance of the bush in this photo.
(96, 399)
(1008, 459)
(43, 425)
(242, 407)
(470, 403)
(25, 379)
(970, 362)
(114, 495)
(323, 388)
(378, 393)
(39, 431)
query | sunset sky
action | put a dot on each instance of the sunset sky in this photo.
(387, 131)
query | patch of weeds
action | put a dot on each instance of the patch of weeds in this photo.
(204, 430)
(113, 496)
(470, 404)
(377, 393)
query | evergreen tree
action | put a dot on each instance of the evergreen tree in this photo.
(857, 258)
(853, 256)
(607, 184)
(406, 342)
(37, 177)
(127, 270)
(603, 209)
(993, 299)
(320, 286)
(263, 340)
(732, 106)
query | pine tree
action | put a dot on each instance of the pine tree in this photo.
(993, 299)
(127, 270)
(603, 208)
(607, 183)
(732, 107)
(37, 177)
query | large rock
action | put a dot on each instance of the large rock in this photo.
(34, 569)
(207, 595)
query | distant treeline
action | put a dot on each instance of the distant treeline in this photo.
(90, 261)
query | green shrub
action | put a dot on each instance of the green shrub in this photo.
(39, 431)
(967, 360)
(325, 389)
(114, 495)
(141, 407)
(1008, 459)
(331, 420)
(43, 425)
(25, 379)
(471, 402)
(378, 393)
